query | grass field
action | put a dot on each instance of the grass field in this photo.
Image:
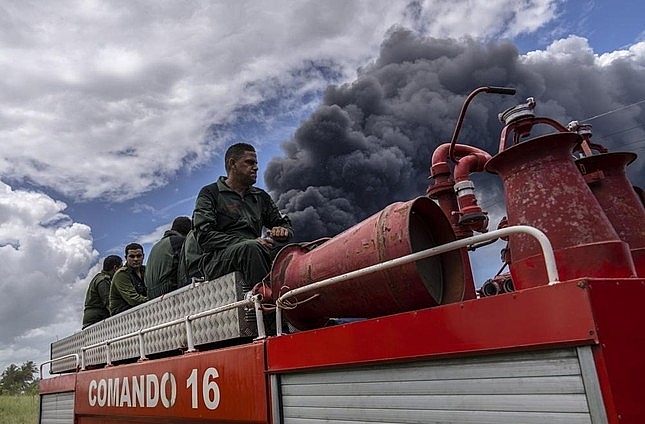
(19, 409)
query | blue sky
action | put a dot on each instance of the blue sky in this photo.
(115, 114)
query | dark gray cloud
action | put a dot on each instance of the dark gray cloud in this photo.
(371, 141)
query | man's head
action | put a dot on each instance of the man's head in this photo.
(235, 152)
(112, 263)
(241, 163)
(134, 255)
(182, 224)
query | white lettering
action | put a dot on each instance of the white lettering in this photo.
(91, 393)
(191, 383)
(102, 392)
(152, 390)
(166, 379)
(113, 392)
(210, 389)
(138, 389)
(148, 389)
(125, 393)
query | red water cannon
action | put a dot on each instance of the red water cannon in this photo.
(544, 189)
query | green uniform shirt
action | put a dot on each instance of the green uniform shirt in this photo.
(123, 290)
(97, 299)
(161, 266)
(228, 218)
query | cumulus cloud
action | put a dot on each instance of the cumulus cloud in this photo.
(45, 258)
(108, 100)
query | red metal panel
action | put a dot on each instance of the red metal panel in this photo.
(215, 386)
(61, 383)
(540, 317)
(618, 308)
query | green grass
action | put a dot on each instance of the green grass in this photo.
(19, 409)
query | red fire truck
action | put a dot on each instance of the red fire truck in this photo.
(383, 323)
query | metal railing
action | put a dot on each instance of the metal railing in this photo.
(545, 244)
(60, 358)
(254, 300)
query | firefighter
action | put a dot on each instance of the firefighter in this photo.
(128, 288)
(97, 297)
(230, 216)
(163, 259)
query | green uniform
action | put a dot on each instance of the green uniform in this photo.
(226, 228)
(189, 260)
(127, 289)
(162, 263)
(97, 299)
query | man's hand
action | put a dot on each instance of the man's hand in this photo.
(266, 242)
(279, 233)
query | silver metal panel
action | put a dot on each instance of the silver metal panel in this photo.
(178, 304)
(57, 408)
(528, 387)
(60, 348)
(592, 385)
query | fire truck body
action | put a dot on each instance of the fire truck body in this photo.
(560, 341)
(563, 353)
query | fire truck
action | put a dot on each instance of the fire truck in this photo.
(383, 323)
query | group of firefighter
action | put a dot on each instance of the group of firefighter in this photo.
(235, 227)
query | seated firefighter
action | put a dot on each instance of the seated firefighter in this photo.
(229, 217)
(163, 260)
(97, 297)
(128, 288)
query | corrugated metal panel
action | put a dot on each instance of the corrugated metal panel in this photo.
(188, 300)
(532, 387)
(57, 408)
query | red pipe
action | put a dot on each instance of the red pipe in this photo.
(460, 206)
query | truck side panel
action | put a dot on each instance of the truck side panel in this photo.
(528, 387)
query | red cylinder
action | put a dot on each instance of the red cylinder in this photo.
(398, 230)
(607, 179)
(544, 189)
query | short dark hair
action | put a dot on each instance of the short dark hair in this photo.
(182, 224)
(133, 246)
(111, 261)
(236, 151)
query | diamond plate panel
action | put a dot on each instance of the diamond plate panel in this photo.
(189, 300)
(66, 346)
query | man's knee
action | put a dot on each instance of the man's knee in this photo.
(248, 250)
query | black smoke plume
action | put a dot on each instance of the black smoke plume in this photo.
(370, 143)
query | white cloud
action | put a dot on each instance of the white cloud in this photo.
(489, 19)
(577, 49)
(108, 100)
(46, 259)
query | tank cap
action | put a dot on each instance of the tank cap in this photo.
(516, 112)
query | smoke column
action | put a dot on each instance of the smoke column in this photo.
(371, 141)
